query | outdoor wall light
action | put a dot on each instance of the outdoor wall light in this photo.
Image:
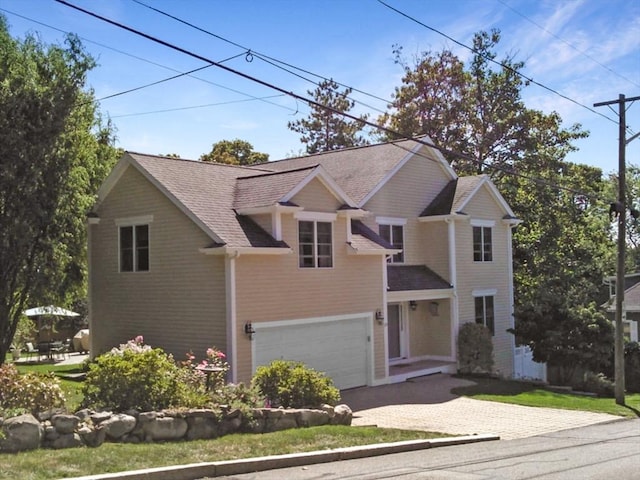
(413, 305)
(433, 308)
(379, 316)
(249, 330)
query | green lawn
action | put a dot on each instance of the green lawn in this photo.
(114, 457)
(522, 393)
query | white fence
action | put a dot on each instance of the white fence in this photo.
(525, 368)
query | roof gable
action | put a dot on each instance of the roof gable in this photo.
(457, 194)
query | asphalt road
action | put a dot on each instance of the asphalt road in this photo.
(603, 451)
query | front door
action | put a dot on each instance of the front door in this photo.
(395, 331)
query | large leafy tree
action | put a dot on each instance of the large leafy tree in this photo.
(326, 128)
(54, 152)
(474, 110)
(234, 152)
(562, 249)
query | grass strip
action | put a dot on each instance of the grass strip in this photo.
(46, 464)
(535, 395)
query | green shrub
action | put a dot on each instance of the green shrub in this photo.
(597, 383)
(136, 376)
(30, 392)
(632, 367)
(475, 349)
(290, 384)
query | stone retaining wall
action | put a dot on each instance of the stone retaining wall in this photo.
(90, 428)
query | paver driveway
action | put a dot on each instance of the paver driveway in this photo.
(427, 403)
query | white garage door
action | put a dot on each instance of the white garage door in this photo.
(336, 347)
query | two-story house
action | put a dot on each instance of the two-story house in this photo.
(362, 263)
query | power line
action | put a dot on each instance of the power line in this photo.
(507, 67)
(142, 59)
(584, 54)
(266, 58)
(310, 102)
(195, 106)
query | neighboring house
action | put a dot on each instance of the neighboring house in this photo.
(362, 262)
(631, 312)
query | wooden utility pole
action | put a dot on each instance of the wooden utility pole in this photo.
(621, 212)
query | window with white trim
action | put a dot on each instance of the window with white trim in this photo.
(394, 234)
(134, 248)
(482, 247)
(315, 244)
(484, 312)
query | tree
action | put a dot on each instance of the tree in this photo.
(234, 152)
(563, 248)
(476, 112)
(326, 129)
(55, 150)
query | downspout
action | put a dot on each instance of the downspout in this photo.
(385, 287)
(453, 278)
(511, 296)
(92, 338)
(232, 334)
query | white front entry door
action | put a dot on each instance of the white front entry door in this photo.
(396, 332)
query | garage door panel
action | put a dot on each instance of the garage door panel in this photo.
(337, 348)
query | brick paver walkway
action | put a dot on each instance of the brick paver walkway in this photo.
(427, 404)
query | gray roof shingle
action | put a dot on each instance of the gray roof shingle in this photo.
(414, 277)
(453, 196)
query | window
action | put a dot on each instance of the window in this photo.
(315, 244)
(134, 248)
(484, 312)
(394, 234)
(482, 251)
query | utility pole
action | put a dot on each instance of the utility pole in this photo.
(621, 209)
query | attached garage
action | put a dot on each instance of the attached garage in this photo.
(337, 346)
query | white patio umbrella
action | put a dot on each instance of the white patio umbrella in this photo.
(50, 310)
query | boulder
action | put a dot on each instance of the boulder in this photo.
(92, 437)
(67, 440)
(65, 423)
(118, 425)
(23, 432)
(312, 418)
(165, 428)
(342, 415)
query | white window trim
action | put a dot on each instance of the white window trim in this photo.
(478, 222)
(315, 244)
(396, 223)
(486, 292)
(135, 255)
(315, 216)
(132, 221)
(391, 221)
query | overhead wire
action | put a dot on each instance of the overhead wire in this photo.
(308, 101)
(488, 58)
(266, 58)
(584, 54)
(145, 60)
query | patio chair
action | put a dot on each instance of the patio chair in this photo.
(31, 350)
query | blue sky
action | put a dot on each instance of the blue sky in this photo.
(587, 50)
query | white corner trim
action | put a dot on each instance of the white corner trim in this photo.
(139, 220)
(478, 222)
(315, 216)
(484, 292)
(391, 221)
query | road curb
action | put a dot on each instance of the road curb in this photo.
(236, 467)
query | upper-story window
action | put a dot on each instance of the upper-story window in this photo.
(133, 243)
(392, 230)
(484, 312)
(482, 240)
(315, 244)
